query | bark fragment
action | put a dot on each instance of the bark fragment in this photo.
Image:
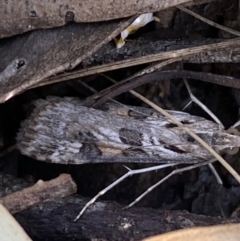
(40, 192)
(105, 221)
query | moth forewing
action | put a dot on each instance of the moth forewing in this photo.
(62, 130)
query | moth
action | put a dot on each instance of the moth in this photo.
(64, 131)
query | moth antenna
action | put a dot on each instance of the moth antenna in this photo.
(200, 104)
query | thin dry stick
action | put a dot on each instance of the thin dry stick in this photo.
(191, 133)
(181, 53)
(129, 173)
(209, 112)
(155, 66)
(110, 99)
(164, 179)
(149, 69)
(229, 30)
(87, 86)
(132, 172)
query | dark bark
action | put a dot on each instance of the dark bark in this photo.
(152, 45)
(104, 221)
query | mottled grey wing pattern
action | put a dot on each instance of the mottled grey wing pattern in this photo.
(61, 130)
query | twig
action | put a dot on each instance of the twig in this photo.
(112, 100)
(131, 83)
(181, 53)
(209, 112)
(234, 32)
(154, 67)
(192, 134)
(209, 164)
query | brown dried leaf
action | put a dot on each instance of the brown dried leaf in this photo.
(21, 16)
(32, 57)
(229, 232)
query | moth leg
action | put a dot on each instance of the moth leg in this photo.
(200, 104)
(214, 172)
(129, 173)
(165, 178)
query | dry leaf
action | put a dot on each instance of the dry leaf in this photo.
(228, 232)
